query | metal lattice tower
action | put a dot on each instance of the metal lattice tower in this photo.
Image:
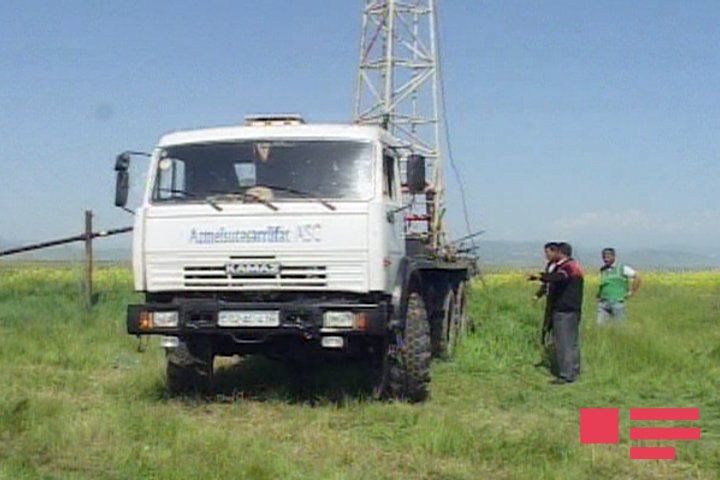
(398, 88)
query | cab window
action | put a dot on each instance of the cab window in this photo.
(389, 174)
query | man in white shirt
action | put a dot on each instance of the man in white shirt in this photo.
(618, 282)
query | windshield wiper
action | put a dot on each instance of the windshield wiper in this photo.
(254, 196)
(207, 200)
(270, 205)
(299, 193)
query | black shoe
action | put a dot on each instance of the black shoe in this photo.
(561, 381)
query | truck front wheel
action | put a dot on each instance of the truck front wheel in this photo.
(190, 368)
(405, 370)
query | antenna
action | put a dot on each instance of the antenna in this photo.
(398, 89)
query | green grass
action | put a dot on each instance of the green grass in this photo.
(78, 401)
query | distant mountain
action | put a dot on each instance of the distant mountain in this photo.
(115, 254)
(529, 254)
(494, 253)
(64, 253)
(649, 258)
(7, 244)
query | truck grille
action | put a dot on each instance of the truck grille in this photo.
(216, 276)
(311, 271)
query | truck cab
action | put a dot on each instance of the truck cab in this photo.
(278, 238)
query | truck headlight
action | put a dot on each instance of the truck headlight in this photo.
(339, 320)
(169, 342)
(166, 319)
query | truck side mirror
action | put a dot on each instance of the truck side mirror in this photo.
(122, 181)
(416, 173)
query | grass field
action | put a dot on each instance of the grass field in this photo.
(78, 401)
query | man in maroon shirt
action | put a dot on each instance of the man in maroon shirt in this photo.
(548, 353)
(551, 255)
(565, 297)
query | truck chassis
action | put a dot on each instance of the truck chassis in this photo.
(396, 335)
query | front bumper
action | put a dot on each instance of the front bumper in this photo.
(296, 320)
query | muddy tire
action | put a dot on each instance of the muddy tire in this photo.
(460, 325)
(189, 369)
(383, 362)
(435, 312)
(405, 370)
(453, 329)
(461, 301)
(441, 343)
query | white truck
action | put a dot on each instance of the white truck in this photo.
(291, 240)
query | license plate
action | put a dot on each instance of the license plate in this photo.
(258, 319)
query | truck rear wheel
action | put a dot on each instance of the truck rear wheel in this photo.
(464, 319)
(405, 370)
(460, 324)
(441, 341)
(453, 334)
(190, 369)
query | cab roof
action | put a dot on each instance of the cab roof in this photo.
(299, 132)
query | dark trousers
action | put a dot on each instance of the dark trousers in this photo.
(566, 336)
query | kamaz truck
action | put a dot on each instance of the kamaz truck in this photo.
(294, 241)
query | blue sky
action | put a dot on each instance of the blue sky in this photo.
(593, 121)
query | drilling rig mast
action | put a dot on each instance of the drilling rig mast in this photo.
(398, 88)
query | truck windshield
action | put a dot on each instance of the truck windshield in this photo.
(277, 170)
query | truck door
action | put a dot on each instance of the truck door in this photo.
(394, 232)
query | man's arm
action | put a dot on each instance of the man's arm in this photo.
(558, 276)
(542, 289)
(634, 277)
(635, 285)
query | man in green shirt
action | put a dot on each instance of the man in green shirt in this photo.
(618, 282)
